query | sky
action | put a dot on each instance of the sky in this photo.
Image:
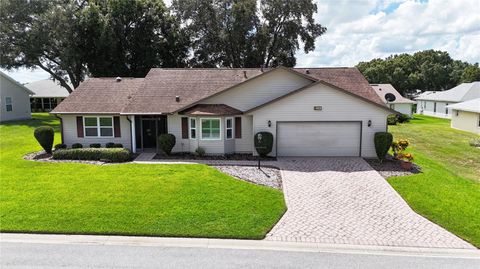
(360, 30)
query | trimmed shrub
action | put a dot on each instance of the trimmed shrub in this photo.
(77, 146)
(94, 154)
(263, 143)
(44, 136)
(200, 152)
(165, 143)
(110, 145)
(403, 118)
(383, 141)
(60, 146)
(475, 142)
(392, 119)
(95, 145)
(118, 145)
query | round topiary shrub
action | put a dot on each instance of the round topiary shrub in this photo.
(263, 143)
(165, 143)
(118, 145)
(60, 146)
(77, 146)
(110, 145)
(383, 141)
(95, 145)
(44, 136)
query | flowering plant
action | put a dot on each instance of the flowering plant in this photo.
(408, 157)
(399, 147)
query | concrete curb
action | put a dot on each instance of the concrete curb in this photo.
(235, 244)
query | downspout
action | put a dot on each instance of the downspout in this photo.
(61, 126)
(131, 131)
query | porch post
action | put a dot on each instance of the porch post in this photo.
(134, 138)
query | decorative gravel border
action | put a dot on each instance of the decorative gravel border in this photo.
(265, 176)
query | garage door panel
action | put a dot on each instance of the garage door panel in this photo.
(318, 138)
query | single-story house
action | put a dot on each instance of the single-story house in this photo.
(14, 99)
(436, 103)
(466, 116)
(47, 94)
(310, 112)
(400, 104)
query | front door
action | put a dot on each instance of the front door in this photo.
(149, 133)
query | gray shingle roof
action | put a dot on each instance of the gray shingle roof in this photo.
(462, 92)
(156, 94)
(47, 88)
(471, 106)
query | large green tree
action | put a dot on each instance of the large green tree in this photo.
(428, 70)
(248, 33)
(73, 38)
(42, 34)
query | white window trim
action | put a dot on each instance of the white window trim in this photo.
(98, 127)
(201, 129)
(194, 128)
(232, 128)
(8, 104)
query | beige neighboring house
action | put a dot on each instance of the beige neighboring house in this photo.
(14, 99)
(47, 94)
(400, 104)
(436, 103)
(466, 116)
(309, 111)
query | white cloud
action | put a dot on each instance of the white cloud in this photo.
(360, 30)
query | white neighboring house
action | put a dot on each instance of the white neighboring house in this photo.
(401, 104)
(436, 103)
(14, 99)
(47, 95)
(466, 116)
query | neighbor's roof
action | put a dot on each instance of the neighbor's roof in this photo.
(7, 77)
(470, 105)
(211, 110)
(462, 92)
(157, 94)
(47, 88)
(100, 95)
(382, 89)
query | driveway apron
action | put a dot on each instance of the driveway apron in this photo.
(343, 200)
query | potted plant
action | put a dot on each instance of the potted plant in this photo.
(405, 160)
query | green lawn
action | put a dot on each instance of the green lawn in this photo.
(128, 199)
(448, 190)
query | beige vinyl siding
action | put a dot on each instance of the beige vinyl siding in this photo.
(403, 108)
(70, 133)
(245, 144)
(259, 90)
(174, 125)
(466, 121)
(20, 101)
(336, 106)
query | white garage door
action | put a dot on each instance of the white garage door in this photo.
(318, 138)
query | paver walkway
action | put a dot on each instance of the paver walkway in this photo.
(343, 200)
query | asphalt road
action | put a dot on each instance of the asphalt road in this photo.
(39, 255)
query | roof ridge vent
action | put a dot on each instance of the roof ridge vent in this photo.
(118, 79)
(307, 71)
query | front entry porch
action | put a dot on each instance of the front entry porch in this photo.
(147, 129)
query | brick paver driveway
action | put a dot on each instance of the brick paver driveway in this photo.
(343, 200)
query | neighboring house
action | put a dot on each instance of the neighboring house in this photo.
(47, 95)
(310, 112)
(466, 116)
(400, 104)
(436, 103)
(14, 99)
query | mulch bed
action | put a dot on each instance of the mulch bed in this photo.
(42, 156)
(230, 157)
(392, 167)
